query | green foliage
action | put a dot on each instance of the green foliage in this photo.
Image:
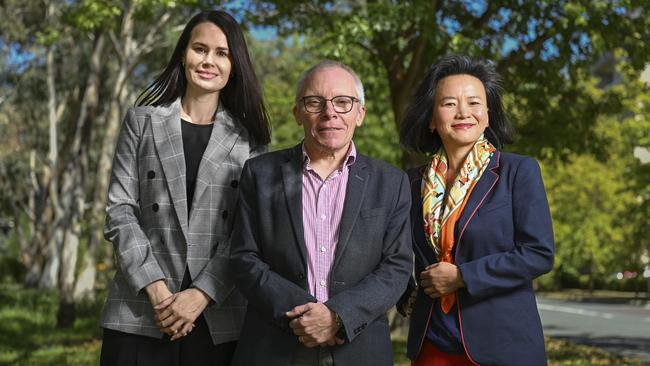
(599, 201)
(588, 204)
(90, 15)
(28, 335)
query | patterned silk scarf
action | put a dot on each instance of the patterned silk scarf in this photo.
(440, 214)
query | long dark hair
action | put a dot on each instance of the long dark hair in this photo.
(242, 95)
(415, 135)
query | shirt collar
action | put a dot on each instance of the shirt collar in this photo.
(350, 158)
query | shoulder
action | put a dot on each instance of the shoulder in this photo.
(379, 165)
(140, 114)
(381, 170)
(271, 160)
(516, 162)
(415, 174)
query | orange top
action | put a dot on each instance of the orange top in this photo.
(447, 244)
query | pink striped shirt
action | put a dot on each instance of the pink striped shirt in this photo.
(322, 207)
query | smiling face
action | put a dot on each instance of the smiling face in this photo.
(460, 113)
(207, 60)
(329, 132)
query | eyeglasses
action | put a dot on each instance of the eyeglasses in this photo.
(316, 103)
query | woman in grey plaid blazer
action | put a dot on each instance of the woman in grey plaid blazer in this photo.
(171, 201)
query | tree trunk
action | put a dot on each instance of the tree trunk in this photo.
(73, 188)
(50, 273)
(129, 52)
(85, 284)
(70, 248)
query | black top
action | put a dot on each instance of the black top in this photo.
(195, 140)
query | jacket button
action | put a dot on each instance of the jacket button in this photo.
(224, 215)
(234, 183)
(155, 207)
(301, 276)
(151, 174)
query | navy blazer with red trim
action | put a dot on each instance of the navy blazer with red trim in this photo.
(504, 239)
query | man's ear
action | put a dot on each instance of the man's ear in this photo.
(295, 115)
(360, 116)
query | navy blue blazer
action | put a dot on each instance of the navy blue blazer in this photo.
(504, 239)
(371, 268)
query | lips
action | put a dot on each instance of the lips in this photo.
(462, 126)
(206, 75)
(329, 129)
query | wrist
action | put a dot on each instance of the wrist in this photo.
(459, 278)
(340, 332)
(155, 287)
(201, 294)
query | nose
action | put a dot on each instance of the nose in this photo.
(328, 109)
(209, 58)
(463, 110)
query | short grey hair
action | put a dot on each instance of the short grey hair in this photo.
(300, 85)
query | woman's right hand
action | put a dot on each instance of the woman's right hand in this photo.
(440, 279)
(159, 294)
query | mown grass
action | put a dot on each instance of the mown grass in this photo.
(28, 336)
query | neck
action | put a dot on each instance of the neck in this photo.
(456, 156)
(199, 109)
(325, 162)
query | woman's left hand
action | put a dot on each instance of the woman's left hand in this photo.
(177, 317)
(440, 279)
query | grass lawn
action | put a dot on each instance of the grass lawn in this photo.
(28, 336)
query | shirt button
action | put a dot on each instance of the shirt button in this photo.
(322, 216)
(322, 283)
(322, 248)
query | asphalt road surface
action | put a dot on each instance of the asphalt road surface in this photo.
(619, 328)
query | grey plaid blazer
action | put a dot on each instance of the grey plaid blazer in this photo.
(147, 219)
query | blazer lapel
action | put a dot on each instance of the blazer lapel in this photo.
(292, 181)
(475, 200)
(168, 139)
(355, 192)
(421, 247)
(225, 133)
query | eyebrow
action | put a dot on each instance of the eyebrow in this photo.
(198, 43)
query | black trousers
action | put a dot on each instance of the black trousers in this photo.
(196, 348)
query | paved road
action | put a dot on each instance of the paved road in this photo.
(620, 328)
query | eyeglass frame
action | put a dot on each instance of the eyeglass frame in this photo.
(331, 100)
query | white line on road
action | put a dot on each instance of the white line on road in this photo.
(569, 310)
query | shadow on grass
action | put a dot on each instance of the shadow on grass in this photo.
(28, 332)
(607, 351)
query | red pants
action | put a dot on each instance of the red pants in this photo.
(431, 356)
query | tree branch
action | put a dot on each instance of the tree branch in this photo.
(518, 55)
(154, 34)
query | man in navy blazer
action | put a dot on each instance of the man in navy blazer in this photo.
(321, 245)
